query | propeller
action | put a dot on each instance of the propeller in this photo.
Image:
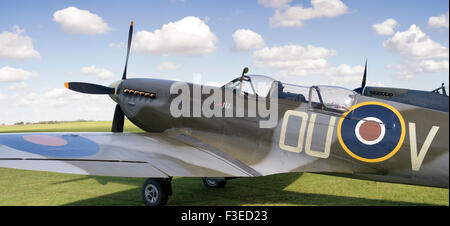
(119, 116)
(89, 88)
(363, 83)
(118, 120)
(130, 35)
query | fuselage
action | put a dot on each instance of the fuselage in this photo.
(306, 138)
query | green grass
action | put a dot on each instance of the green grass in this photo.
(22, 187)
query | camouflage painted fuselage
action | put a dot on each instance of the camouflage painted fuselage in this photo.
(414, 149)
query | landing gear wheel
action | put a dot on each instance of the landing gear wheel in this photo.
(155, 191)
(214, 182)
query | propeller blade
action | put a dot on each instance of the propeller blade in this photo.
(363, 84)
(89, 88)
(130, 34)
(118, 120)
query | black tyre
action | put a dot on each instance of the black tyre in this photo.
(214, 182)
(155, 192)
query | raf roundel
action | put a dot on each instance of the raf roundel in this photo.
(50, 145)
(371, 131)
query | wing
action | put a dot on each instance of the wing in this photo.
(117, 154)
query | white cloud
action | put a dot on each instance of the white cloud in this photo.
(294, 62)
(58, 104)
(245, 39)
(101, 73)
(2, 97)
(419, 53)
(373, 83)
(414, 43)
(77, 21)
(116, 45)
(276, 4)
(189, 36)
(386, 27)
(404, 75)
(10, 74)
(292, 59)
(19, 86)
(168, 66)
(433, 66)
(293, 16)
(52, 98)
(14, 45)
(344, 75)
(438, 21)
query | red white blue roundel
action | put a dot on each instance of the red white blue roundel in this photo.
(51, 145)
(371, 131)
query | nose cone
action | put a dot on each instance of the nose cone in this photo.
(115, 86)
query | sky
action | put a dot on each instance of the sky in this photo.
(44, 44)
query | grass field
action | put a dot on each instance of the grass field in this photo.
(21, 187)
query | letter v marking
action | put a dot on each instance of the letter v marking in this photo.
(417, 158)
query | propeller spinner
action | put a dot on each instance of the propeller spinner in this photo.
(89, 88)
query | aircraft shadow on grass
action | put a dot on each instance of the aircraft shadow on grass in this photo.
(247, 191)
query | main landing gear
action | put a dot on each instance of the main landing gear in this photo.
(156, 191)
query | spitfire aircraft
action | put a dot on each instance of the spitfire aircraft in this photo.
(374, 133)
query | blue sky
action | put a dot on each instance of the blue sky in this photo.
(340, 37)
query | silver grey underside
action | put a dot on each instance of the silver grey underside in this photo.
(130, 155)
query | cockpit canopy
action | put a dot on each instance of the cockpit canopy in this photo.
(331, 98)
(252, 84)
